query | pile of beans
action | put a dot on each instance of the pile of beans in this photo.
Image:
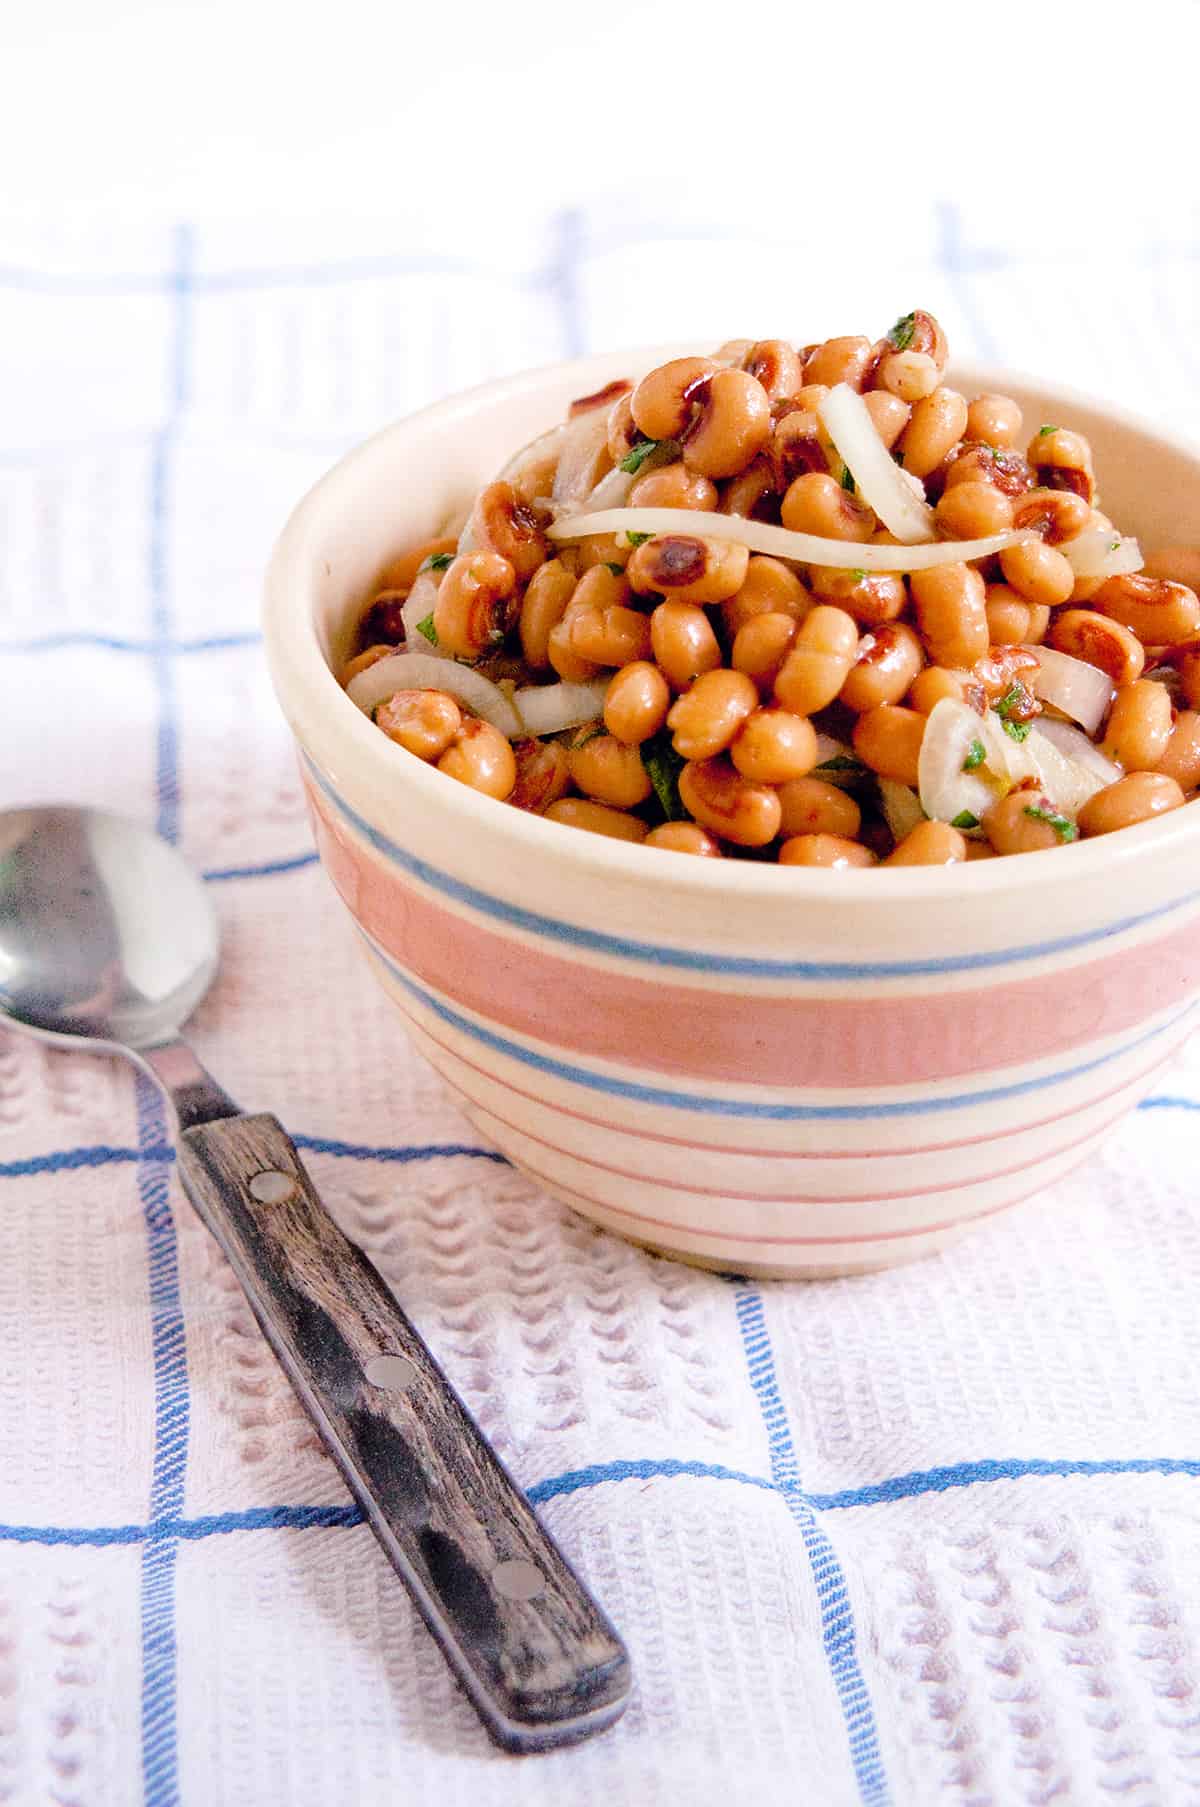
(732, 672)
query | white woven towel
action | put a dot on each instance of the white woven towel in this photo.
(927, 1536)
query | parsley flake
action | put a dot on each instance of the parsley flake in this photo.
(638, 539)
(1042, 431)
(898, 455)
(617, 570)
(1014, 698)
(663, 766)
(1114, 545)
(847, 479)
(841, 762)
(637, 455)
(438, 561)
(901, 335)
(965, 819)
(857, 576)
(427, 628)
(976, 754)
(1062, 825)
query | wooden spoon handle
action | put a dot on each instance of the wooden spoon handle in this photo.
(538, 1658)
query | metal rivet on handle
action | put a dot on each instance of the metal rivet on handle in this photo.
(518, 1580)
(395, 1372)
(271, 1187)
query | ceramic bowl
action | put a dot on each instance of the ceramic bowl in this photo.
(773, 1070)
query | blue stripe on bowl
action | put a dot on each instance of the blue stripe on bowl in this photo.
(742, 965)
(742, 1107)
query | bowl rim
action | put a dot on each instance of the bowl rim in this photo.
(321, 714)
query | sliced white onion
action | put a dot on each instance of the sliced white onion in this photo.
(582, 459)
(549, 708)
(1074, 745)
(613, 489)
(800, 548)
(901, 807)
(536, 452)
(418, 604)
(1102, 553)
(1080, 690)
(425, 671)
(947, 791)
(848, 768)
(1066, 781)
(881, 482)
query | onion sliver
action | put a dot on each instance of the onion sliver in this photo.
(1074, 745)
(549, 708)
(538, 451)
(1102, 553)
(901, 807)
(881, 482)
(613, 489)
(948, 793)
(800, 548)
(583, 458)
(837, 763)
(425, 671)
(418, 606)
(1080, 690)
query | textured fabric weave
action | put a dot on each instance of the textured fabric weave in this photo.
(927, 1536)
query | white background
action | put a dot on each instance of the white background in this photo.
(1057, 115)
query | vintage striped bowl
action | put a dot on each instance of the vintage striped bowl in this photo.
(782, 1072)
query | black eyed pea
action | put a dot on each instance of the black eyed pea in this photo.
(1138, 797)
(1139, 726)
(506, 525)
(608, 771)
(481, 757)
(424, 722)
(476, 604)
(728, 805)
(705, 719)
(687, 568)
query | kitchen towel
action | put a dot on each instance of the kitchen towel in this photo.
(926, 1536)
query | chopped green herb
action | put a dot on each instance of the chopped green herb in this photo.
(994, 452)
(438, 561)
(1016, 730)
(841, 762)
(617, 570)
(591, 732)
(976, 754)
(1114, 545)
(427, 628)
(901, 335)
(965, 819)
(847, 479)
(898, 455)
(1042, 431)
(637, 455)
(663, 766)
(1014, 698)
(638, 539)
(1062, 825)
(858, 575)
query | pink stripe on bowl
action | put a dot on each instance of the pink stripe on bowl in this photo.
(747, 1035)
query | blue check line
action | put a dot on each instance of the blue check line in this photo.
(838, 1632)
(579, 1480)
(105, 1154)
(115, 643)
(220, 875)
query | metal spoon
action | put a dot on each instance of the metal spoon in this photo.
(108, 940)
